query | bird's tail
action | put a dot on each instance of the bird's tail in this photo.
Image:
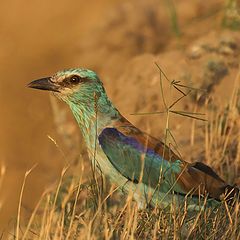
(231, 194)
(199, 174)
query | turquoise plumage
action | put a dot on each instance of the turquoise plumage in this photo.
(132, 159)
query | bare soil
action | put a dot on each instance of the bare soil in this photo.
(122, 41)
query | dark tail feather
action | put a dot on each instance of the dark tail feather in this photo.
(232, 195)
(217, 187)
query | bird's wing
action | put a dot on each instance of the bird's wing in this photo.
(140, 157)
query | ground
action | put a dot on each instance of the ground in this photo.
(192, 42)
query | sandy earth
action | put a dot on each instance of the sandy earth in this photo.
(121, 40)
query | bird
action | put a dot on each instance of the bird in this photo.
(133, 160)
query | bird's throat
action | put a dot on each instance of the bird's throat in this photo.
(92, 115)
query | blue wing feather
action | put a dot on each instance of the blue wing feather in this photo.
(133, 160)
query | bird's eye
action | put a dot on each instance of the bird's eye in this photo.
(75, 79)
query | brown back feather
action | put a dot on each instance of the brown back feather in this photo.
(195, 178)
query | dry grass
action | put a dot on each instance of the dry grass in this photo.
(59, 215)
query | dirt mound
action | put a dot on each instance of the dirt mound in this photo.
(121, 40)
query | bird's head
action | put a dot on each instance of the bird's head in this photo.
(70, 84)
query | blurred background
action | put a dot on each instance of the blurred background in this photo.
(193, 41)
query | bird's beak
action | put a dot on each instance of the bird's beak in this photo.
(44, 84)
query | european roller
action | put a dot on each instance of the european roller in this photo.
(133, 160)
